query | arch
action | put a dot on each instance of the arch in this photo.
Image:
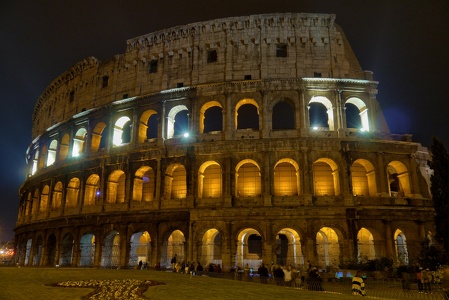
(400, 243)
(398, 179)
(173, 244)
(209, 251)
(365, 245)
(110, 257)
(72, 192)
(98, 139)
(328, 248)
(249, 248)
(209, 180)
(363, 178)
(116, 187)
(37, 251)
(79, 142)
(288, 248)
(35, 203)
(122, 131)
(42, 158)
(283, 116)
(34, 166)
(146, 126)
(326, 177)
(319, 118)
(144, 184)
(92, 190)
(171, 120)
(211, 117)
(66, 250)
(286, 178)
(56, 199)
(51, 250)
(28, 247)
(87, 250)
(64, 148)
(176, 182)
(140, 248)
(248, 179)
(52, 150)
(358, 117)
(247, 114)
(44, 199)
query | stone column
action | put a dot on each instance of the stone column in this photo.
(389, 239)
(382, 180)
(228, 117)
(414, 187)
(265, 116)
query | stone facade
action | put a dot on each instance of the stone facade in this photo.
(232, 141)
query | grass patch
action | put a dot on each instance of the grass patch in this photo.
(34, 283)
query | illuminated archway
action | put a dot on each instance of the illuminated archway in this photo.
(365, 245)
(98, 140)
(44, 199)
(398, 179)
(140, 248)
(362, 111)
(314, 117)
(145, 125)
(72, 193)
(248, 179)
(116, 187)
(37, 251)
(173, 244)
(210, 249)
(87, 250)
(363, 178)
(286, 178)
(92, 190)
(249, 248)
(122, 131)
(51, 157)
(79, 142)
(209, 180)
(144, 184)
(64, 148)
(326, 177)
(401, 247)
(56, 199)
(175, 182)
(110, 257)
(247, 114)
(171, 119)
(328, 248)
(288, 248)
(211, 117)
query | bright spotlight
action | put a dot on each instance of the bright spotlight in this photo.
(362, 129)
(315, 128)
(186, 134)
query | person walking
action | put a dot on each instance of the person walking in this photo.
(358, 285)
(173, 262)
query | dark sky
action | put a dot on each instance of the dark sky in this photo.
(405, 43)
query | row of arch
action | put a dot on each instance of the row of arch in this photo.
(288, 248)
(286, 181)
(247, 115)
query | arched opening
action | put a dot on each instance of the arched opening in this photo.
(356, 114)
(286, 178)
(110, 257)
(144, 184)
(98, 141)
(140, 248)
(116, 187)
(398, 179)
(283, 116)
(365, 245)
(248, 179)
(72, 193)
(56, 199)
(37, 252)
(51, 157)
(79, 142)
(44, 199)
(247, 115)
(321, 115)
(148, 126)
(28, 252)
(249, 248)
(210, 248)
(209, 180)
(177, 121)
(92, 190)
(66, 250)
(211, 117)
(87, 250)
(174, 244)
(122, 131)
(363, 178)
(326, 178)
(35, 162)
(64, 148)
(328, 248)
(288, 248)
(51, 250)
(401, 248)
(175, 182)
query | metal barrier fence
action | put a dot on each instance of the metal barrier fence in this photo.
(388, 288)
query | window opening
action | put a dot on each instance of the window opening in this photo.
(281, 50)
(211, 56)
(152, 66)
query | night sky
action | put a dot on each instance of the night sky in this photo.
(405, 43)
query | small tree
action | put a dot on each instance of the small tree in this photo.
(439, 188)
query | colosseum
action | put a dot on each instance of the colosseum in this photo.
(232, 141)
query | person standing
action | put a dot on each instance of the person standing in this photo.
(278, 275)
(426, 278)
(358, 285)
(287, 276)
(263, 273)
(173, 262)
(419, 277)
